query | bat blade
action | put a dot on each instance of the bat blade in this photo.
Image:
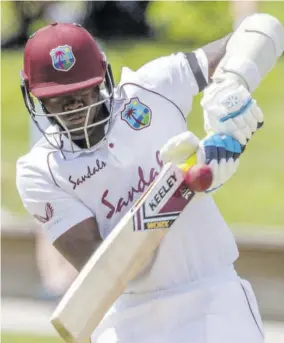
(121, 256)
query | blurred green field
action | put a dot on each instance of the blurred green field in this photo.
(253, 196)
(13, 338)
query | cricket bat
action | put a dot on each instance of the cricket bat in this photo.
(122, 255)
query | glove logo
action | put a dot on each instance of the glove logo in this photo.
(231, 101)
(136, 114)
(62, 58)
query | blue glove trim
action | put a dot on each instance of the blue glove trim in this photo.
(223, 141)
(213, 189)
(220, 146)
(237, 113)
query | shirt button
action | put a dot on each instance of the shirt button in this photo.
(111, 145)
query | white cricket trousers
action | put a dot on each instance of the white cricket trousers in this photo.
(221, 309)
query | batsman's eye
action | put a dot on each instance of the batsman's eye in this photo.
(86, 92)
(52, 102)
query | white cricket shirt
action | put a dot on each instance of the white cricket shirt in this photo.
(150, 107)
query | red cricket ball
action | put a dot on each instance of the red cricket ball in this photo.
(199, 178)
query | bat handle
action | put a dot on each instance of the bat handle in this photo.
(190, 162)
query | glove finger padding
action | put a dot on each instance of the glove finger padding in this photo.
(179, 148)
(257, 113)
(221, 153)
(251, 122)
(242, 125)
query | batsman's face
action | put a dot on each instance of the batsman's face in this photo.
(75, 102)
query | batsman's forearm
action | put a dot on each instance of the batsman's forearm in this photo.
(214, 52)
(79, 242)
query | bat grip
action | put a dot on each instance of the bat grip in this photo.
(190, 162)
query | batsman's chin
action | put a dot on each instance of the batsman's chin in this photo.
(80, 134)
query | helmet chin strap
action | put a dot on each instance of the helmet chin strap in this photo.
(77, 137)
(85, 132)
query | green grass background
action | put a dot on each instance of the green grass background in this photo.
(16, 338)
(253, 196)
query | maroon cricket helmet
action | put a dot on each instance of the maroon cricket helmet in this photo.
(61, 59)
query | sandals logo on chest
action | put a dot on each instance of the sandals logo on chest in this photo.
(89, 173)
(136, 114)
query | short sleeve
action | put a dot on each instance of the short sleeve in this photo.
(54, 208)
(176, 77)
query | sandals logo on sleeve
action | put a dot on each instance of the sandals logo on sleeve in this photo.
(136, 114)
(48, 214)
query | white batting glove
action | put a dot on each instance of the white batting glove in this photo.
(229, 109)
(179, 148)
(219, 151)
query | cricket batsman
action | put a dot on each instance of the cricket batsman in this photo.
(106, 144)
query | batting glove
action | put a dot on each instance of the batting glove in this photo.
(219, 151)
(229, 109)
